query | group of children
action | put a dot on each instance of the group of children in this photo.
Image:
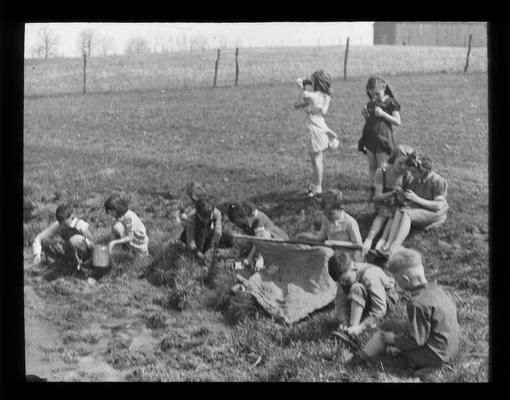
(404, 189)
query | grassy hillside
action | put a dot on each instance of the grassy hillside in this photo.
(240, 143)
(257, 66)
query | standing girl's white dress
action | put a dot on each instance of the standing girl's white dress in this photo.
(319, 133)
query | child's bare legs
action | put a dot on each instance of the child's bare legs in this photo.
(372, 166)
(118, 230)
(318, 169)
(356, 313)
(382, 241)
(374, 230)
(403, 230)
(393, 230)
(381, 158)
(254, 254)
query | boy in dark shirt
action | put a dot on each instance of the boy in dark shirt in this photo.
(431, 337)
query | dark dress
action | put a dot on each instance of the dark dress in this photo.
(378, 133)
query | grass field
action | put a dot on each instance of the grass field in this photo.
(256, 65)
(240, 143)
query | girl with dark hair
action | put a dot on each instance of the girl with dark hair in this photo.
(380, 113)
(316, 104)
(127, 228)
(388, 179)
(424, 197)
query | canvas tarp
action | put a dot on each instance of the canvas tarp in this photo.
(295, 281)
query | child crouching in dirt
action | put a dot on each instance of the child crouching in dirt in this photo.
(127, 228)
(203, 228)
(364, 290)
(336, 224)
(68, 239)
(431, 334)
(188, 199)
(254, 222)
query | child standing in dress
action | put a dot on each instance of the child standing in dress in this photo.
(127, 228)
(316, 104)
(380, 113)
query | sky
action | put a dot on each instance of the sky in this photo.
(215, 34)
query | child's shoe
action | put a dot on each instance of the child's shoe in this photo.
(314, 191)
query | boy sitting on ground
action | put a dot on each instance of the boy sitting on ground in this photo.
(363, 290)
(67, 239)
(431, 336)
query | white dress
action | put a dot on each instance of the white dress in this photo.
(318, 138)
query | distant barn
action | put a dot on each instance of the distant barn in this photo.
(431, 33)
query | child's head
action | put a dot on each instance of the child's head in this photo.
(399, 156)
(377, 87)
(238, 217)
(116, 206)
(204, 208)
(248, 207)
(331, 203)
(194, 191)
(64, 214)
(418, 165)
(341, 269)
(321, 81)
(407, 268)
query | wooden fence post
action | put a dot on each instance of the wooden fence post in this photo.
(345, 58)
(216, 68)
(84, 72)
(237, 66)
(469, 51)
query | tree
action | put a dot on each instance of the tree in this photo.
(137, 45)
(47, 42)
(85, 40)
(105, 44)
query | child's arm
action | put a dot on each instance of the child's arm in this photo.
(354, 233)
(47, 233)
(217, 227)
(325, 106)
(432, 205)
(394, 118)
(125, 239)
(300, 103)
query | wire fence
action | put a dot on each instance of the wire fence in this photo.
(252, 66)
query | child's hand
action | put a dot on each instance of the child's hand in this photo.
(410, 195)
(387, 337)
(343, 326)
(37, 259)
(378, 112)
(299, 83)
(364, 112)
(354, 330)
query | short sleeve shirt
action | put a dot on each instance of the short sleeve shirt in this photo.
(433, 187)
(345, 228)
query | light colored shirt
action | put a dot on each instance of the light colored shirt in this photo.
(77, 227)
(262, 220)
(376, 283)
(432, 317)
(134, 225)
(344, 228)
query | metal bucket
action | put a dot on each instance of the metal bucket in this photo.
(100, 257)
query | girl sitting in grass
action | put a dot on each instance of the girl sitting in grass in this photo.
(127, 228)
(388, 179)
(336, 224)
(316, 104)
(423, 196)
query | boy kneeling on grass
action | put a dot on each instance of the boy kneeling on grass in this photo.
(203, 228)
(67, 239)
(364, 290)
(431, 336)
